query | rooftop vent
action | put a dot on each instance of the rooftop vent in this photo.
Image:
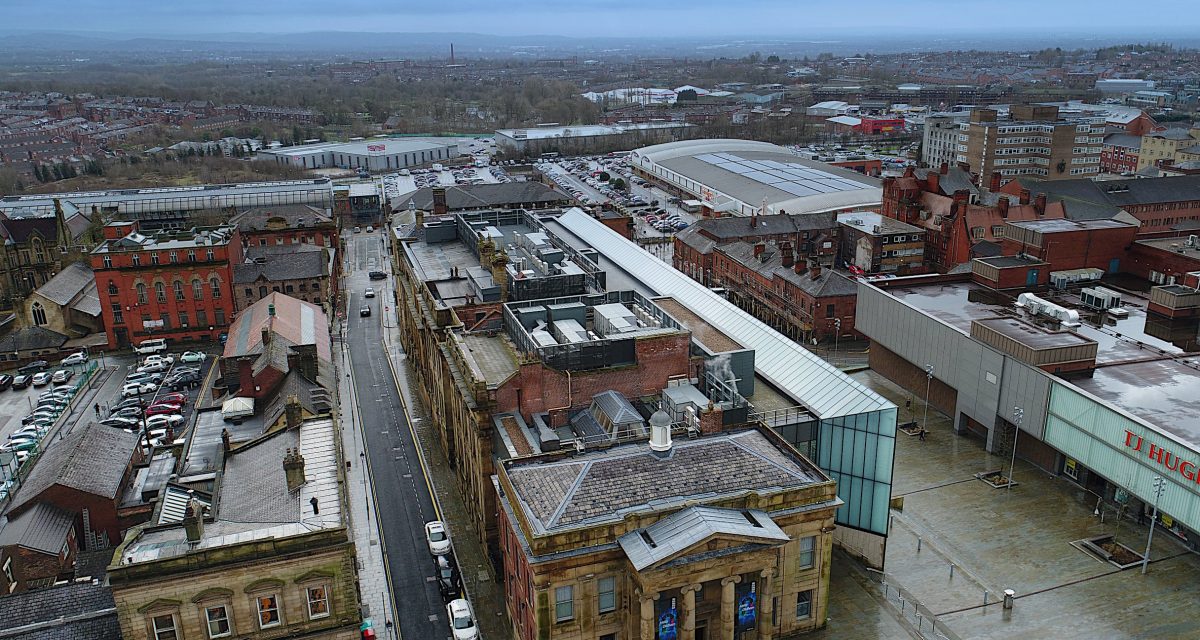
(660, 431)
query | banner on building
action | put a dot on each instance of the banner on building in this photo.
(666, 619)
(376, 147)
(746, 598)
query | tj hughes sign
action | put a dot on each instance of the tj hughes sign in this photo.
(1162, 457)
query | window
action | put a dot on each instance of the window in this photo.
(216, 287)
(829, 311)
(262, 242)
(218, 621)
(177, 286)
(997, 231)
(318, 602)
(118, 317)
(107, 262)
(564, 603)
(607, 599)
(977, 232)
(39, 313)
(164, 627)
(160, 292)
(174, 257)
(316, 287)
(197, 289)
(262, 291)
(136, 259)
(201, 318)
(153, 258)
(141, 293)
(249, 292)
(191, 255)
(183, 319)
(112, 288)
(209, 255)
(804, 605)
(219, 316)
(166, 320)
(279, 241)
(288, 288)
(268, 611)
(807, 557)
(304, 286)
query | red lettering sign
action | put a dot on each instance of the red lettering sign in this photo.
(1163, 457)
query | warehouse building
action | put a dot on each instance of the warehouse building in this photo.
(1105, 400)
(589, 138)
(746, 178)
(387, 154)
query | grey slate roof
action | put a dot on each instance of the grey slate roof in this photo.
(42, 528)
(686, 528)
(74, 611)
(293, 215)
(92, 459)
(604, 485)
(829, 283)
(477, 196)
(254, 487)
(31, 339)
(1125, 140)
(1089, 200)
(734, 227)
(303, 265)
(67, 284)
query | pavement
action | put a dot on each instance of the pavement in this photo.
(957, 538)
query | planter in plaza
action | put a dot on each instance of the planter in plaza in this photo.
(997, 479)
(1113, 552)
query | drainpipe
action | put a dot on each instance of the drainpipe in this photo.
(567, 407)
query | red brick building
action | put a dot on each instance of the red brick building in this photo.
(167, 284)
(865, 166)
(1120, 153)
(1070, 244)
(961, 220)
(1161, 207)
(37, 548)
(812, 235)
(1164, 260)
(797, 297)
(880, 126)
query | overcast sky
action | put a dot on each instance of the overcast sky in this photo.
(793, 19)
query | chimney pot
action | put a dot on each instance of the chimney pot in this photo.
(995, 186)
(800, 267)
(759, 247)
(1024, 198)
(293, 469)
(944, 169)
(1039, 204)
(933, 181)
(815, 270)
(266, 335)
(1002, 206)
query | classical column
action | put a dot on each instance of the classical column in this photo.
(766, 605)
(647, 615)
(728, 615)
(689, 612)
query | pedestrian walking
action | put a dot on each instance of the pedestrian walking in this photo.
(921, 435)
(97, 409)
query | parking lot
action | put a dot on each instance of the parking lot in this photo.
(395, 185)
(114, 397)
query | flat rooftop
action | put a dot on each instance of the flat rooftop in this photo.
(1174, 245)
(586, 130)
(1060, 225)
(375, 147)
(491, 357)
(1033, 336)
(1165, 392)
(876, 224)
(1118, 340)
(702, 331)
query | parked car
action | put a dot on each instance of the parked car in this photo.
(154, 367)
(138, 388)
(364, 312)
(62, 375)
(437, 538)
(378, 275)
(55, 404)
(126, 412)
(162, 410)
(22, 381)
(79, 357)
(462, 620)
(122, 422)
(126, 403)
(357, 229)
(42, 378)
(5, 381)
(150, 346)
(144, 376)
(163, 421)
(34, 367)
(193, 356)
(447, 577)
(173, 398)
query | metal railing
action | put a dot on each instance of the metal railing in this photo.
(922, 620)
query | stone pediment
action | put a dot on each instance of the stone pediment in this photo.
(698, 530)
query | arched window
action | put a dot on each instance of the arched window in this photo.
(141, 293)
(39, 314)
(178, 287)
(197, 289)
(215, 284)
(160, 292)
(112, 288)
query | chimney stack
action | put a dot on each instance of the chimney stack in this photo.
(759, 247)
(909, 171)
(754, 221)
(1002, 205)
(944, 169)
(800, 267)
(814, 270)
(500, 274)
(293, 469)
(933, 182)
(995, 186)
(225, 441)
(962, 197)
(1024, 199)
(193, 519)
(1039, 204)
(439, 201)
(292, 412)
(789, 258)
(266, 335)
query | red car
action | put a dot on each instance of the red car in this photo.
(172, 398)
(162, 410)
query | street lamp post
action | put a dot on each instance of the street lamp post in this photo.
(837, 333)
(928, 380)
(1018, 417)
(1159, 485)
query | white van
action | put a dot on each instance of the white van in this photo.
(153, 345)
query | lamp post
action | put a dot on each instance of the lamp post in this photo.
(1018, 418)
(928, 380)
(837, 333)
(1159, 485)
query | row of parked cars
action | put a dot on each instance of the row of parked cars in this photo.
(162, 413)
(458, 609)
(51, 404)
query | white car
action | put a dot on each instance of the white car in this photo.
(162, 421)
(193, 356)
(369, 293)
(42, 378)
(138, 388)
(437, 538)
(154, 367)
(79, 357)
(164, 358)
(462, 620)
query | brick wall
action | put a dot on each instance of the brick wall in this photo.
(890, 365)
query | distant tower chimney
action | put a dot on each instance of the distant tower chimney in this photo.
(660, 431)
(293, 469)
(451, 53)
